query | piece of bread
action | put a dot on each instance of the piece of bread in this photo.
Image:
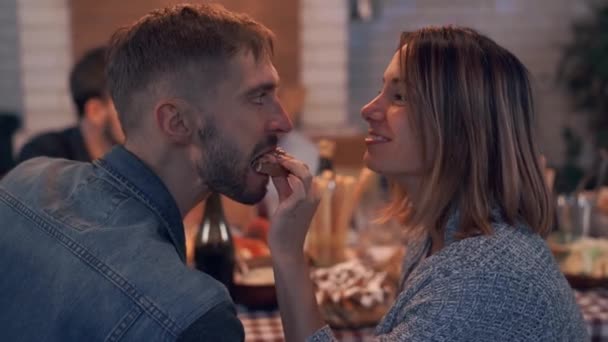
(268, 164)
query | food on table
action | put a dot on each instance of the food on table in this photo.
(253, 254)
(255, 277)
(248, 248)
(352, 294)
(585, 257)
(254, 283)
(258, 229)
(384, 258)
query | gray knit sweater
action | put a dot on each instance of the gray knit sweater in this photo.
(500, 287)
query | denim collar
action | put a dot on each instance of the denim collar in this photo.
(145, 185)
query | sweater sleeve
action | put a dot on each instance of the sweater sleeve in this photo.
(469, 307)
(322, 335)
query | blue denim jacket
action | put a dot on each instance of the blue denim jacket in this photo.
(95, 252)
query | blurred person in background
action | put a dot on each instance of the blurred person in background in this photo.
(96, 251)
(453, 129)
(9, 123)
(98, 128)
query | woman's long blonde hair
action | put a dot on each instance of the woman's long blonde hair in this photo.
(471, 105)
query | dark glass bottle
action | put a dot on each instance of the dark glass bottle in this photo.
(326, 156)
(325, 164)
(214, 248)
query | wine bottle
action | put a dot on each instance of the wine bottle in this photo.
(214, 248)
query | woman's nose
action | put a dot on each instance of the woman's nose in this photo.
(374, 110)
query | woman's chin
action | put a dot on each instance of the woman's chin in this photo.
(395, 175)
(369, 163)
(374, 164)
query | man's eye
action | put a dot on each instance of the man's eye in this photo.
(259, 98)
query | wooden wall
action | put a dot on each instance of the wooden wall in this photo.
(94, 21)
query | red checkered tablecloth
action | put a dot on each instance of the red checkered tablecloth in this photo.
(594, 305)
(265, 326)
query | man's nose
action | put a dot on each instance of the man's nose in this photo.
(280, 122)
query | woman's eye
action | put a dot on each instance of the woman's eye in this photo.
(400, 99)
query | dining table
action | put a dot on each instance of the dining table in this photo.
(265, 325)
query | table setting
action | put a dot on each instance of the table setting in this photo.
(356, 260)
(265, 325)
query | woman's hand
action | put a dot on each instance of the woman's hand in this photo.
(298, 201)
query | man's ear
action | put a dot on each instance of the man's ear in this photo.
(174, 122)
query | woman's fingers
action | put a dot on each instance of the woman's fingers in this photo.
(297, 186)
(298, 169)
(283, 187)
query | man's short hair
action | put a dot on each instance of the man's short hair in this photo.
(164, 45)
(88, 79)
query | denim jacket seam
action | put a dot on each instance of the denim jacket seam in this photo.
(140, 195)
(85, 256)
(124, 324)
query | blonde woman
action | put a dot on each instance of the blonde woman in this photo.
(452, 128)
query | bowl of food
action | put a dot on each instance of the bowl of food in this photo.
(353, 294)
(254, 284)
(584, 262)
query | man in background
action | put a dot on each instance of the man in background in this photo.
(98, 128)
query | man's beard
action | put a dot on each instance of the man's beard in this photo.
(224, 168)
